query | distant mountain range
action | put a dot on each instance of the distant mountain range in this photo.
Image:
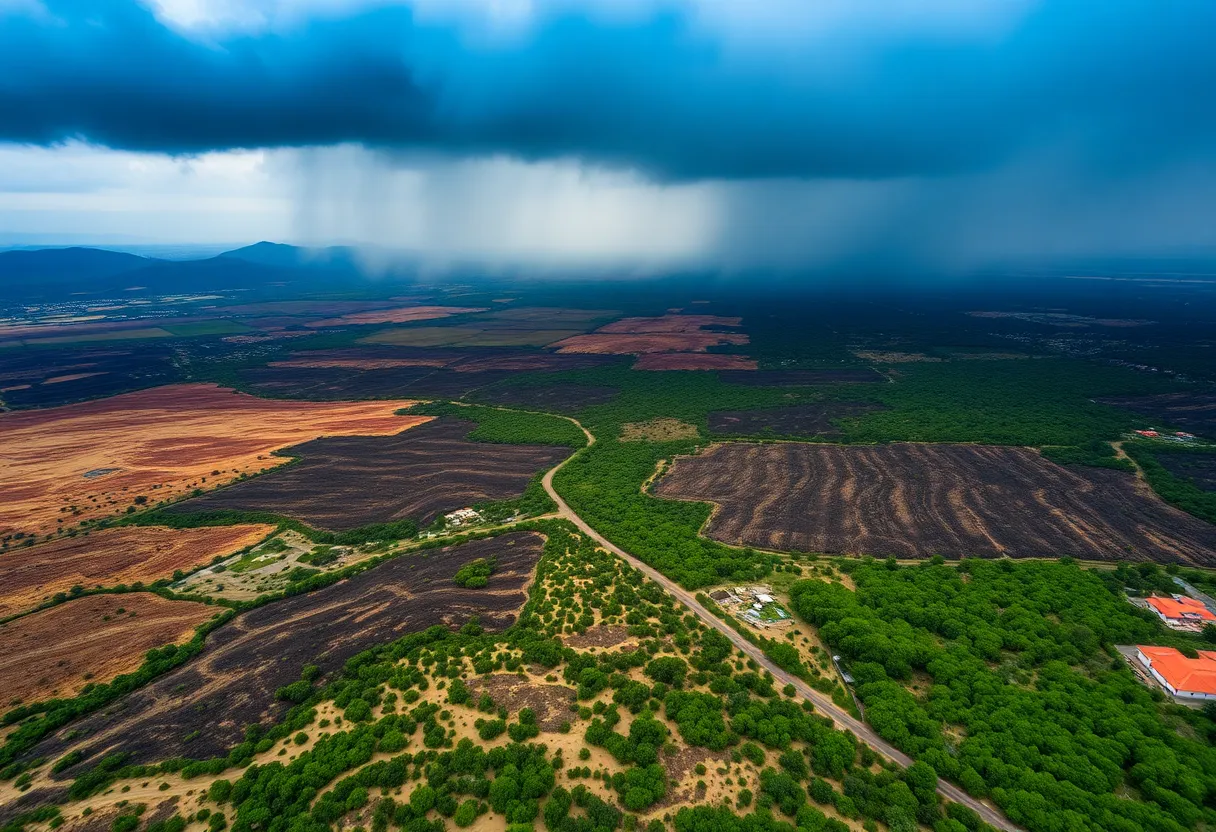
(40, 274)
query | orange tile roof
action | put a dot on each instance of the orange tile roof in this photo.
(1183, 674)
(1186, 608)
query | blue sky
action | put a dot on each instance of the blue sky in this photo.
(933, 135)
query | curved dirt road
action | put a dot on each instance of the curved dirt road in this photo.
(823, 704)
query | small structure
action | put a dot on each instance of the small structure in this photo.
(462, 516)
(1183, 677)
(1180, 612)
(763, 598)
(1150, 433)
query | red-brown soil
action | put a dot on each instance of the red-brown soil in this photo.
(667, 323)
(344, 482)
(817, 419)
(607, 344)
(57, 651)
(29, 577)
(157, 443)
(921, 500)
(233, 682)
(693, 361)
(397, 315)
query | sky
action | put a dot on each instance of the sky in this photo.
(832, 136)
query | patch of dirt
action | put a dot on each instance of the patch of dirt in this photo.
(550, 703)
(57, 651)
(693, 361)
(344, 482)
(162, 443)
(658, 430)
(817, 419)
(908, 500)
(598, 636)
(201, 709)
(606, 344)
(28, 577)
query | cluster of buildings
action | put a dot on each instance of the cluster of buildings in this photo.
(462, 517)
(754, 604)
(1177, 436)
(1180, 612)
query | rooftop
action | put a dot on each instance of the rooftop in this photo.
(1181, 607)
(1183, 674)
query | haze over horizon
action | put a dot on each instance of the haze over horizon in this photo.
(937, 136)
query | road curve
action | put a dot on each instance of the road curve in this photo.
(823, 703)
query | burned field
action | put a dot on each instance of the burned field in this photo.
(693, 361)
(551, 398)
(201, 709)
(31, 576)
(801, 378)
(923, 500)
(1196, 468)
(817, 419)
(1190, 411)
(42, 378)
(98, 459)
(341, 483)
(57, 651)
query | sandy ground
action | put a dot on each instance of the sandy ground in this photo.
(29, 577)
(56, 651)
(94, 459)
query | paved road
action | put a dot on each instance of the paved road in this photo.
(823, 703)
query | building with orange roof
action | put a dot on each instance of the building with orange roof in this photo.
(1183, 677)
(1181, 612)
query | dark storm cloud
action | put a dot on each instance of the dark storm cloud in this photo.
(1132, 81)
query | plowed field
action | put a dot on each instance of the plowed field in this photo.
(94, 459)
(922, 500)
(31, 576)
(57, 651)
(344, 482)
(233, 682)
(397, 315)
(606, 344)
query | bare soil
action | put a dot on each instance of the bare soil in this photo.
(345, 482)
(395, 315)
(159, 444)
(668, 323)
(920, 500)
(607, 344)
(658, 430)
(29, 577)
(817, 419)
(57, 651)
(201, 709)
(550, 703)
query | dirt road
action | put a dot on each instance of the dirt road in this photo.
(823, 703)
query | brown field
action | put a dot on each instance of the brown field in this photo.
(667, 323)
(28, 577)
(342, 483)
(658, 430)
(232, 683)
(469, 336)
(607, 344)
(71, 377)
(551, 398)
(308, 307)
(922, 500)
(1190, 411)
(159, 444)
(693, 361)
(395, 315)
(57, 651)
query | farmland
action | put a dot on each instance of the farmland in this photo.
(232, 683)
(41, 378)
(553, 398)
(921, 500)
(344, 482)
(394, 315)
(31, 576)
(693, 361)
(56, 651)
(98, 459)
(669, 333)
(469, 336)
(817, 419)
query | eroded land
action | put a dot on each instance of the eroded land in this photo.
(32, 576)
(920, 500)
(818, 419)
(57, 651)
(202, 708)
(98, 459)
(344, 482)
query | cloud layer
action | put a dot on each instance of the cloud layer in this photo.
(675, 90)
